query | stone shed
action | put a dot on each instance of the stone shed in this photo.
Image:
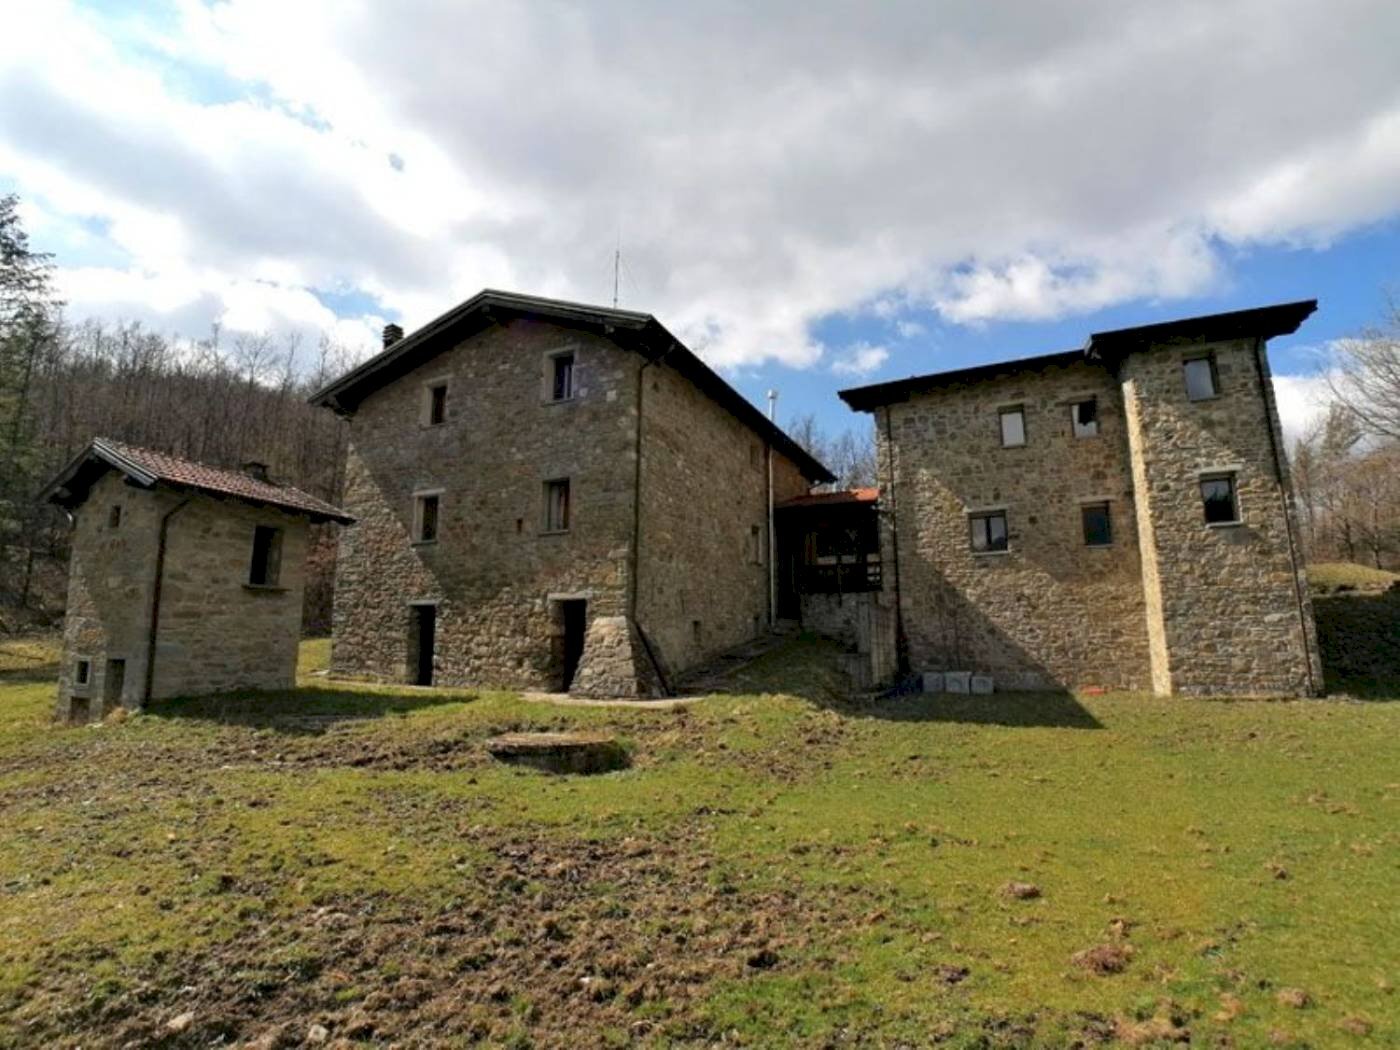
(184, 578)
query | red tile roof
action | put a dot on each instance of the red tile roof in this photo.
(150, 467)
(827, 499)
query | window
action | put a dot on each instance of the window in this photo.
(437, 404)
(425, 517)
(1084, 417)
(1218, 496)
(267, 556)
(562, 377)
(988, 532)
(556, 505)
(756, 544)
(82, 672)
(1098, 527)
(1202, 383)
(114, 516)
(1013, 427)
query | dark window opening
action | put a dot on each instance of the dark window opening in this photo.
(437, 404)
(562, 387)
(1218, 496)
(1098, 526)
(1085, 416)
(422, 641)
(756, 539)
(267, 556)
(114, 516)
(556, 505)
(988, 532)
(427, 514)
(82, 672)
(1013, 427)
(1202, 381)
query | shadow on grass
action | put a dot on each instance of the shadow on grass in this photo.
(303, 710)
(809, 668)
(1359, 637)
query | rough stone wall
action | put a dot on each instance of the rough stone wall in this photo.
(1230, 602)
(833, 615)
(1050, 611)
(703, 491)
(215, 633)
(493, 570)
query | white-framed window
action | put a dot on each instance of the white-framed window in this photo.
(427, 515)
(1219, 499)
(1013, 426)
(987, 532)
(560, 376)
(556, 505)
(434, 409)
(82, 671)
(1084, 417)
(1201, 377)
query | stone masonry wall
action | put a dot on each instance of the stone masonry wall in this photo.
(702, 586)
(1229, 603)
(1050, 611)
(215, 634)
(493, 570)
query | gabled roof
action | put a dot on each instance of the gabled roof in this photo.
(640, 332)
(148, 468)
(839, 498)
(1264, 322)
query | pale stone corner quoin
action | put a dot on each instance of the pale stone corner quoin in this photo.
(1147, 542)
(184, 578)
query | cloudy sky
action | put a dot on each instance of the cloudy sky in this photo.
(813, 195)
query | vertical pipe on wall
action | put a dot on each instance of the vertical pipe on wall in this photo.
(772, 539)
(161, 543)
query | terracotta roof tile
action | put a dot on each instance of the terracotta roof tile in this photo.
(175, 470)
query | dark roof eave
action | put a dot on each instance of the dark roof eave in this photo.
(652, 337)
(1262, 321)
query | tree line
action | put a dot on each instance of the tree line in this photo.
(218, 400)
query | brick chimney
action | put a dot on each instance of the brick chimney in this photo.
(257, 471)
(392, 334)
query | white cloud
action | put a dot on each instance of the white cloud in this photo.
(1302, 401)
(767, 166)
(860, 360)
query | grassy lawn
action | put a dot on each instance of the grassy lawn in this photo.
(777, 867)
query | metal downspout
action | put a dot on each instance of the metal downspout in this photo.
(155, 598)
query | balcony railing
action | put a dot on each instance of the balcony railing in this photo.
(845, 578)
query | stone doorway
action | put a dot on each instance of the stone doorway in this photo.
(422, 641)
(571, 629)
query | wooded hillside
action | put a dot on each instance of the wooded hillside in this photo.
(220, 401)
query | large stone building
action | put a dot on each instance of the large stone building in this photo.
(552, 496)
(183, 578)
(1115, 516)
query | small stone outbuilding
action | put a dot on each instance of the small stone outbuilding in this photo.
(183, 579)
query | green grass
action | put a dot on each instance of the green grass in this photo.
(1334, 576)
(348, 854)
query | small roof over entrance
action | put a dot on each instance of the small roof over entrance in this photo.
(147, 468)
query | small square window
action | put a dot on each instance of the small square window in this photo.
(556, 505)
(437, 404)
(1221, 504)
(82, 672)
(425, 517)
(114, 516)
(988, 532)
(1013, 427)
(562, 377)
(1202, 382)
(1084, 417)
(1098, 526)
(267, 556)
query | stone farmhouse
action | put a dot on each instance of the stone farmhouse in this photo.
(183, 578)
(552, 496)
(1117, 516)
